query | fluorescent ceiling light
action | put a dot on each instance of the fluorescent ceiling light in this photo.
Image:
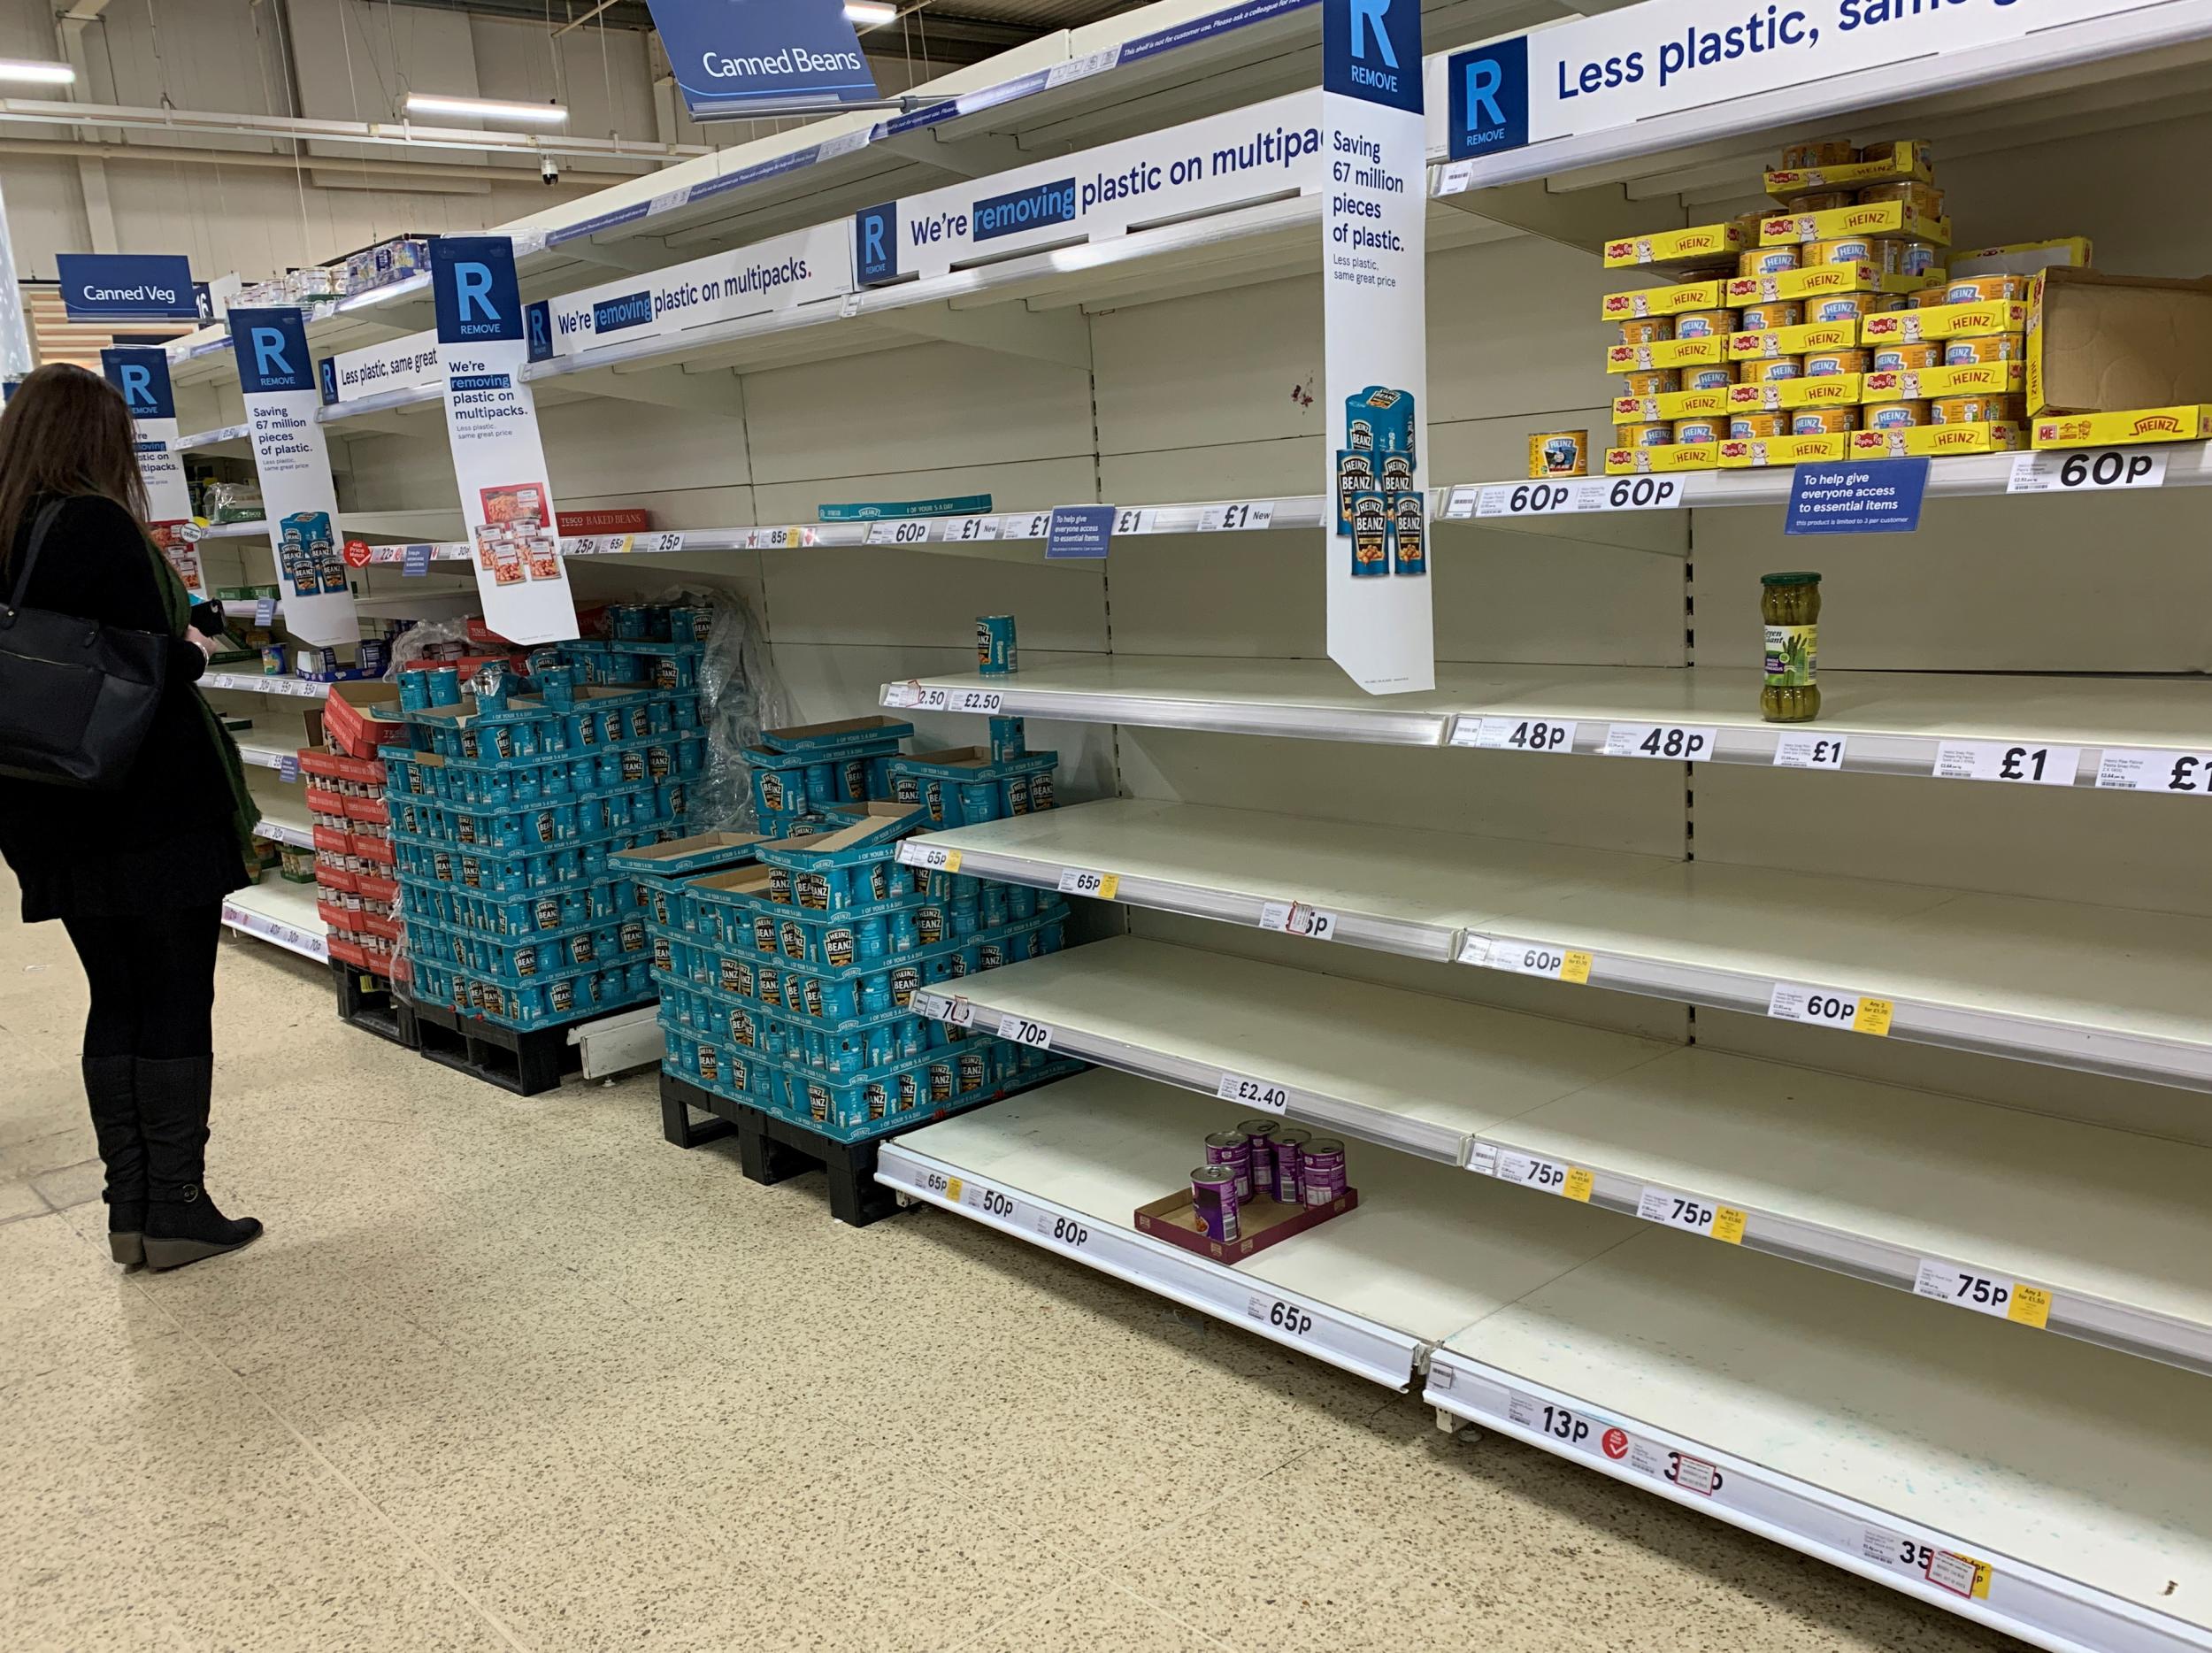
(870, 13)
(44, 73)
(484, 108)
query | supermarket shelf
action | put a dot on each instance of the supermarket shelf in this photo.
(1405, 1070)
(280, 758)
(1878, 1432)
(204, 441)
(383, 524)
(280, 913)
(1890, 723)
(1429, 1249)
(2096, 989)
(253, 683)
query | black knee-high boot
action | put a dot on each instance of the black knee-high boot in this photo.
(182, 1223)
(110, 1088)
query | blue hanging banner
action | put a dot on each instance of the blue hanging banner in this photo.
(126, 287)
(731, 57)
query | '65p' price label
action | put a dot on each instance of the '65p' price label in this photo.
(1571, 497)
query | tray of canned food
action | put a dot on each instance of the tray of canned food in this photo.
(549, 913)
(661, 666)
(591, 820)
(1260, 1184)
(788, 787)
(508, 875)
(600, 941)
(575, 994)
(967, 786)
(655, 757)
(521, 735)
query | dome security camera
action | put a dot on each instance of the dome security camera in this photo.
(549, 169)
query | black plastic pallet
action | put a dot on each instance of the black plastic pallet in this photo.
(526, 1061)
(369, 1002)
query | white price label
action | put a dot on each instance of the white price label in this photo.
(1066, 1232)
(1998, 760)
(1295, 917)
(1545, 1176)
(932, 858)
(987, 702)
(1076, 880)
(1021, 1030)
(899, 531)
(1082, 68)
(2184, 774)
(581, 545)
(932, 699)
(194, 531)
(962, 530)
(1962, 1575)
(2086, 470)
(1809, 751)
(668, 201)
(1515, 734)
(770, 539)
(843, 143)
(1454, 177)
(1678, 741)
(902, 696)
(1034, 524)
(1827, 1008)
(982, 1197)
(1258, 513)
(1132, 519)
(1532, 959)
(1996, 1294)
(1284, 1317)
(1688, 1212)
(1253, 1093)
(936, 1006)
(1574, 495)
(1562, 1423)
(666, 544)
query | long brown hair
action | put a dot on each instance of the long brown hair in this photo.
(65, 432)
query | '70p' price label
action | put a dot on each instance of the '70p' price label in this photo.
(1569, 497)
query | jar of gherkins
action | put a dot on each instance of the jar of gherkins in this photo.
(1790, 605)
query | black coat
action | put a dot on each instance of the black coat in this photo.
(166, 837)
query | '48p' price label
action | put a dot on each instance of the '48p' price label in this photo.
(1572, 496)
(1516, 735)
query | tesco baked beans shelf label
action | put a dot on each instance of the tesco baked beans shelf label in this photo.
(1825, 1007)
(2018, 762)
(1516, 735)
(2086, 470)
(2183, 774)
(1563, 498)
(1994, 1295)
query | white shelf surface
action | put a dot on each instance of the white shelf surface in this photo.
(1428, 1249)
(280, 913)
(1889, 722)
(2101, 990)
(1406, 1070)
(1849, 1422)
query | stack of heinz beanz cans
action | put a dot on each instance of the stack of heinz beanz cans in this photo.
(1262, 1160)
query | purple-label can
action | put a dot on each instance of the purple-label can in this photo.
(1213, 1198)
(995, 650)
(1233, 1149)
(1259, 1137)
(1290, 1157)
(1321, 1170)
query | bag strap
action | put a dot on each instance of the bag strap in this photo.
(40, 525)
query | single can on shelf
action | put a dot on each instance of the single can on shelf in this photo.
(1819, 152)
(1767, 370)
(1213, 1199)
(1976, 409)
(1559, 453)
(1921, 297)
(1822, 421)
(1767, 317)
(1321, 1170)
(1911, 257)
(1922, 199)
(994, 652)
(1717, 377)
(1008, 739)
(1233, 1149)
(1984, 289)
(1989, 347)
(1840, 307)
(1767, 261)
(1705, 324)
(1895, 356)
(1702, 427)
(1820, 364)
(1750, 426)
(1843, 249)
(1656, 435)
(1290, 1159)
(1259, 1140)
(1895, 415)
(1651, 384)
(275, 660)
(445, 685)
(1647, 330)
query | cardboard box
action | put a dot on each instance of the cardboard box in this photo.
(1643, 359)
(1942, 321)
(2022, 257)
(2108, 344)
(1674, 456)
(357, 717)
(1891, 220)
(1821, 281)
(1812, 335)
(1827, 390)
(1671, 405)
(1935, 440)
(1916, 384)
(1705, 244)
(2188, 422)
(1894, 164)
(1662, 301)
(1738, 452)
(1260, 1223)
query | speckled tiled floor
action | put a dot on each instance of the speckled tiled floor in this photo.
(516, 1374)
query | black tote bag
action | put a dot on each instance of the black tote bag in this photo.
(76, 697)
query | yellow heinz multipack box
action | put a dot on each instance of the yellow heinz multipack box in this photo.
(2024, 257)
(1662, 300)
(1671, 405)
(1643, 359)
(1756, 450)
(1819, 282)
(1935, 440)
(1918, 384)
(1941, 321)
(1826, 390)
(1892, 164)
(2188, 422)
(1813, 336)
(1706, 244)
(1673, 456)
(1885, 220)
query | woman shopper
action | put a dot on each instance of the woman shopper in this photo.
(136, 873)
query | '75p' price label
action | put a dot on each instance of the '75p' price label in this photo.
(1993, 1294)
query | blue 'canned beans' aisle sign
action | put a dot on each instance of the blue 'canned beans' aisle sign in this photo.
(730, 57)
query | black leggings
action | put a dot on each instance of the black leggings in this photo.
(153, 981)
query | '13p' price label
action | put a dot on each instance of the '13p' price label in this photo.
(1515, 734)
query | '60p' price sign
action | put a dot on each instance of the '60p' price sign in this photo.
(2086, 470)
(1568, 496)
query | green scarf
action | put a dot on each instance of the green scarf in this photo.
(176, 604)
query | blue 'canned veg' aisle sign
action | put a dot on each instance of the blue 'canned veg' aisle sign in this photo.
(730, 57)
(127, 286)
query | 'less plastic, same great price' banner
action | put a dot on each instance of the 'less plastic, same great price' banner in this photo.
(142, 377)
(1375, 526)
(492, 424)
(297, 496)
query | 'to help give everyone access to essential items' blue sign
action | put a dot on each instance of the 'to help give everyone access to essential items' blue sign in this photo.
(731, 57)
(1857, 497)
(126, 287)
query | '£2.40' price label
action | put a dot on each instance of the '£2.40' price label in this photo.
(1264, 1095)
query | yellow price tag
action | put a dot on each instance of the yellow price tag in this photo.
(1874, 1018)
(620, 545)
(1107, 886)
(1728, 1224)
(1575, 967)
(1578, 1184)
(2030, 1306)
(952, 1189)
